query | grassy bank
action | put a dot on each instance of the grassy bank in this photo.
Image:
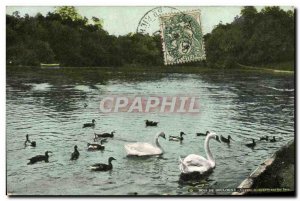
(281, 67)
(282, 171)
(274, 176)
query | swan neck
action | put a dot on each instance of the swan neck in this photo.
(157, 143)
(208, 152)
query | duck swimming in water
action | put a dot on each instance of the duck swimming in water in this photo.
(105, 134)
(202, 134)
(95, 147)
(145, 149)
(103, 167)
(75, 154)
(151, 123)
(266, 138)
(251, 145)
(39, 158)
(176, 138)
(196, 163)
(89, 124)
(273, 139)
(226, 140)
(32, 143)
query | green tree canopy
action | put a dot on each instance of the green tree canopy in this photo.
(68, 12)
(66, 37)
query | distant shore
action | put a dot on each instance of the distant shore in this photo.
(285, 67)
(282, 67)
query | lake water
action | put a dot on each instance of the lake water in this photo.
(48, 104)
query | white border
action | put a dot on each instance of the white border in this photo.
(154, 2)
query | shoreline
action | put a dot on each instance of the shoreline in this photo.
(275, 174)
(165, 69)
(273, 70)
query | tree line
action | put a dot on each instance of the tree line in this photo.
(65, 37)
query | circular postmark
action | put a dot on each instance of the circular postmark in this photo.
(149, 23)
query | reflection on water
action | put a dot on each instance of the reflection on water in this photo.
(49, 106)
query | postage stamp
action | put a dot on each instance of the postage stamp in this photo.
(182, 37)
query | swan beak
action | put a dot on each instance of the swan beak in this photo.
(163, 137)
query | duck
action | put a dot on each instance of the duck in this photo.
(75, 154)
(226, 140)
(196, 163)
(266, 138)
(32, 143)
(273, 139)
(251, 145)
(89, 124)
(151, 123)
(95, 147)
(176, 138)
(145, 149)
(39, 158)
(102, 166)
(202, 134)
(111, 134)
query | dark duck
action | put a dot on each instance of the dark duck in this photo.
(226, 140)
(150, 123)
(39, 158)
(111, 134)
(251, 145)
(202, 134)
(75, 154)
(273, 139)
(102, 166)
(95, 147)
(89, 124)
(176, 138)
(28, 142)
(266, 138)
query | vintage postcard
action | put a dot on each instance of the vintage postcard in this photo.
(150, 101)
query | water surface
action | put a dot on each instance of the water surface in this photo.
(49, 106)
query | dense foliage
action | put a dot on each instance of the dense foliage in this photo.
(254, 38)
(67, 38)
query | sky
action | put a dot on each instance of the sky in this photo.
(123, 20)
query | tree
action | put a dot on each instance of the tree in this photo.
(67, 38)
(254, 38)
(98, 22)
(68, 12)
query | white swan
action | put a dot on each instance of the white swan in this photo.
(196, 163)
(145, 149)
